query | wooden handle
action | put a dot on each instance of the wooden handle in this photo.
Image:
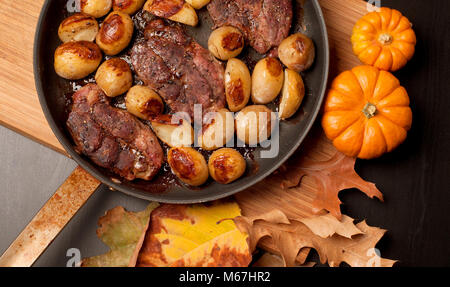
(50, 220)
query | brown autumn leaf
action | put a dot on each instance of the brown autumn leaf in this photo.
(323, 225)
(327, 225)
(254, 235)
(289, 240)
(195, 236)
(272, 260)
(308, 183)
(331, 175)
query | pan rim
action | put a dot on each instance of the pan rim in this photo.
(159, 197)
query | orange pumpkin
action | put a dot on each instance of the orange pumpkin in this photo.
(366, 112)
(384, 39)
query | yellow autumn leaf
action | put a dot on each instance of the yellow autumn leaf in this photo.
(195, 235)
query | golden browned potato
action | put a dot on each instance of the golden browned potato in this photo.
(238, 84)
(175, 10)
(186, 15)
(188, 165)
(128, 6)
(114, 77)
(78, 27)
(198, 4)
(297, 52)
(292, 94)
(218, 129)
(254, 124)
(226, 42)
(143, 102)
(115, 33)
(173, 131)
(76, 60)
(226, 165)
(267, 80)
(96, 8)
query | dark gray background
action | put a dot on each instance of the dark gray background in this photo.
(415, 178)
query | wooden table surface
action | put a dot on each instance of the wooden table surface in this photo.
(414, 178)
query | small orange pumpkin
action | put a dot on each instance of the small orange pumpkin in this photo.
(366, 112)
(384, 39)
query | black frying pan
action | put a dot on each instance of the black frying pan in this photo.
(51, 90)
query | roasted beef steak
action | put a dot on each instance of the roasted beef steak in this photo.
(178, 68)
(265, 23)
(113, 138)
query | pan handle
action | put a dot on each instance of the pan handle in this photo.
(50, 220)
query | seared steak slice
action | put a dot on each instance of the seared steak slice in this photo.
(265, 23)
(179, 69)
(111, 137)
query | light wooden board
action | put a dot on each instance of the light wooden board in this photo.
(19, 104)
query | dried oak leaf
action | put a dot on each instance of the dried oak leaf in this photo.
(123, 232)
(194, 236)
(272, 260)
(288, 240)
(307, 184)
(328, 225)
(254, 235)
(323, 226)
(331, 174)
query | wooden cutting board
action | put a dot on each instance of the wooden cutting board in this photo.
(19, 104)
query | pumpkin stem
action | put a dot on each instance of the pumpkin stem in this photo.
(385, 38)
(369, 110)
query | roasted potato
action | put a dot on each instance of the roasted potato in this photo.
(292, 94)
(226, 165)
(267, 80)
(173, 131)
(175, 10)
(218, 129)
(78, 27)
(238, 84)
(76, 60)
(186, 15)
(297, 52)
(188, 165)
(198, 4)
(226, 42)
(95, 8)
(128, 6)
(254, 124)
(115, 33)
(114, 77)
(144, 103)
